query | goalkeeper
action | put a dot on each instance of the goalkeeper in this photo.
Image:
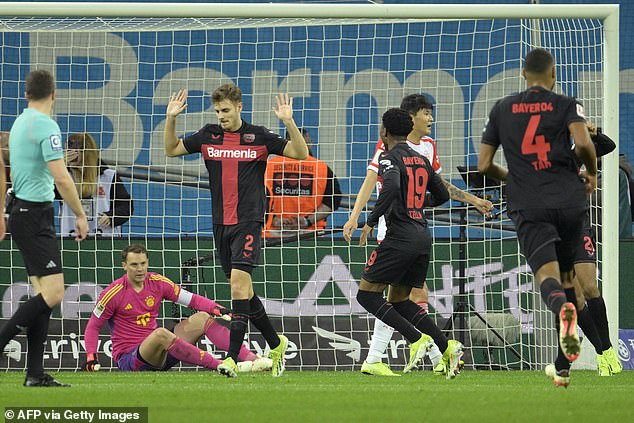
(131, 304)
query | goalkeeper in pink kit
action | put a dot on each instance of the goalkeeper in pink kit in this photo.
(131, 305)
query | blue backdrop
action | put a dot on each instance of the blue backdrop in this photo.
(281, 51)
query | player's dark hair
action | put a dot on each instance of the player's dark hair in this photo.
(229, 92)
(133, 248)
(538, 61)
(415, 102)
(40, 84)
(398, 122)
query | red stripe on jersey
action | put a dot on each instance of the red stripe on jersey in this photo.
(230, 153)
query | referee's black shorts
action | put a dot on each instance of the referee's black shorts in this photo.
(31, 227)
(547, 235)
(238, 246)
(396, 263)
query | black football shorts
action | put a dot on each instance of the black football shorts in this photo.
(547, 235)
(395, 264)
(31, 227)
(238, 246)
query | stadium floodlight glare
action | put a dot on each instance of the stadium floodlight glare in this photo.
(117, 64)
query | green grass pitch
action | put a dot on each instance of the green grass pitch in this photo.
(475, 396)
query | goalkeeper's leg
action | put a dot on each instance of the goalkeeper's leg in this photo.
(155, 348)
(201, 323)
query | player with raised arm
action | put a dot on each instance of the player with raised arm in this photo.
(235, 154)
(131, 305)
(546, 195)
(420, 109)
(402, 259)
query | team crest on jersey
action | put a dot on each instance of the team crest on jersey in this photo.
(249, 138)
(149, 301)
(56, 142)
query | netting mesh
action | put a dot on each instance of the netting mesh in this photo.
(114, 78)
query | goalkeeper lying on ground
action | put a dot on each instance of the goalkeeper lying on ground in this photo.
(130, 305)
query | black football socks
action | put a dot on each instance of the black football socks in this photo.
(375, 303)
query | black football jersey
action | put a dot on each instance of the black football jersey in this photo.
(236, 162)
(409, 184)
(532, 128)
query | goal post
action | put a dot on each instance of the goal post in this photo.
(117, 63)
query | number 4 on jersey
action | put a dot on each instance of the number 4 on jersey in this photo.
(532, 144)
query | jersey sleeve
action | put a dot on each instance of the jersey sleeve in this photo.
(374, 163)
(105, 307)
(169, 290)
(390, 173)
(437, 191)
(575, 112)
(490, 134)
(435, 161)
(193, 143)
(51, 140)
(274, 143)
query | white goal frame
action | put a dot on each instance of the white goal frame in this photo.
(609, 14)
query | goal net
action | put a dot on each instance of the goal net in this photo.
(344, 66)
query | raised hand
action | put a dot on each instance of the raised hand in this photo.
(284, 110)
(178, 103)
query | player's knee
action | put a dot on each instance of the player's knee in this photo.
(581, 299)
(163, 336)
(51, 288)
(53, 295)
(368, 300)
(201, 315)
(591, 291)
(239, 289)
(199, 318)
(419, 295)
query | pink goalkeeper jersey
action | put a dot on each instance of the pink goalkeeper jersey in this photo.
(132, 315)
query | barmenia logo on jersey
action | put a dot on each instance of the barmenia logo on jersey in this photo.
(216, 153)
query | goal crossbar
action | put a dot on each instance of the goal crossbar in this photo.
(289, 10)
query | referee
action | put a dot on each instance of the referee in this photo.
(35, 146)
